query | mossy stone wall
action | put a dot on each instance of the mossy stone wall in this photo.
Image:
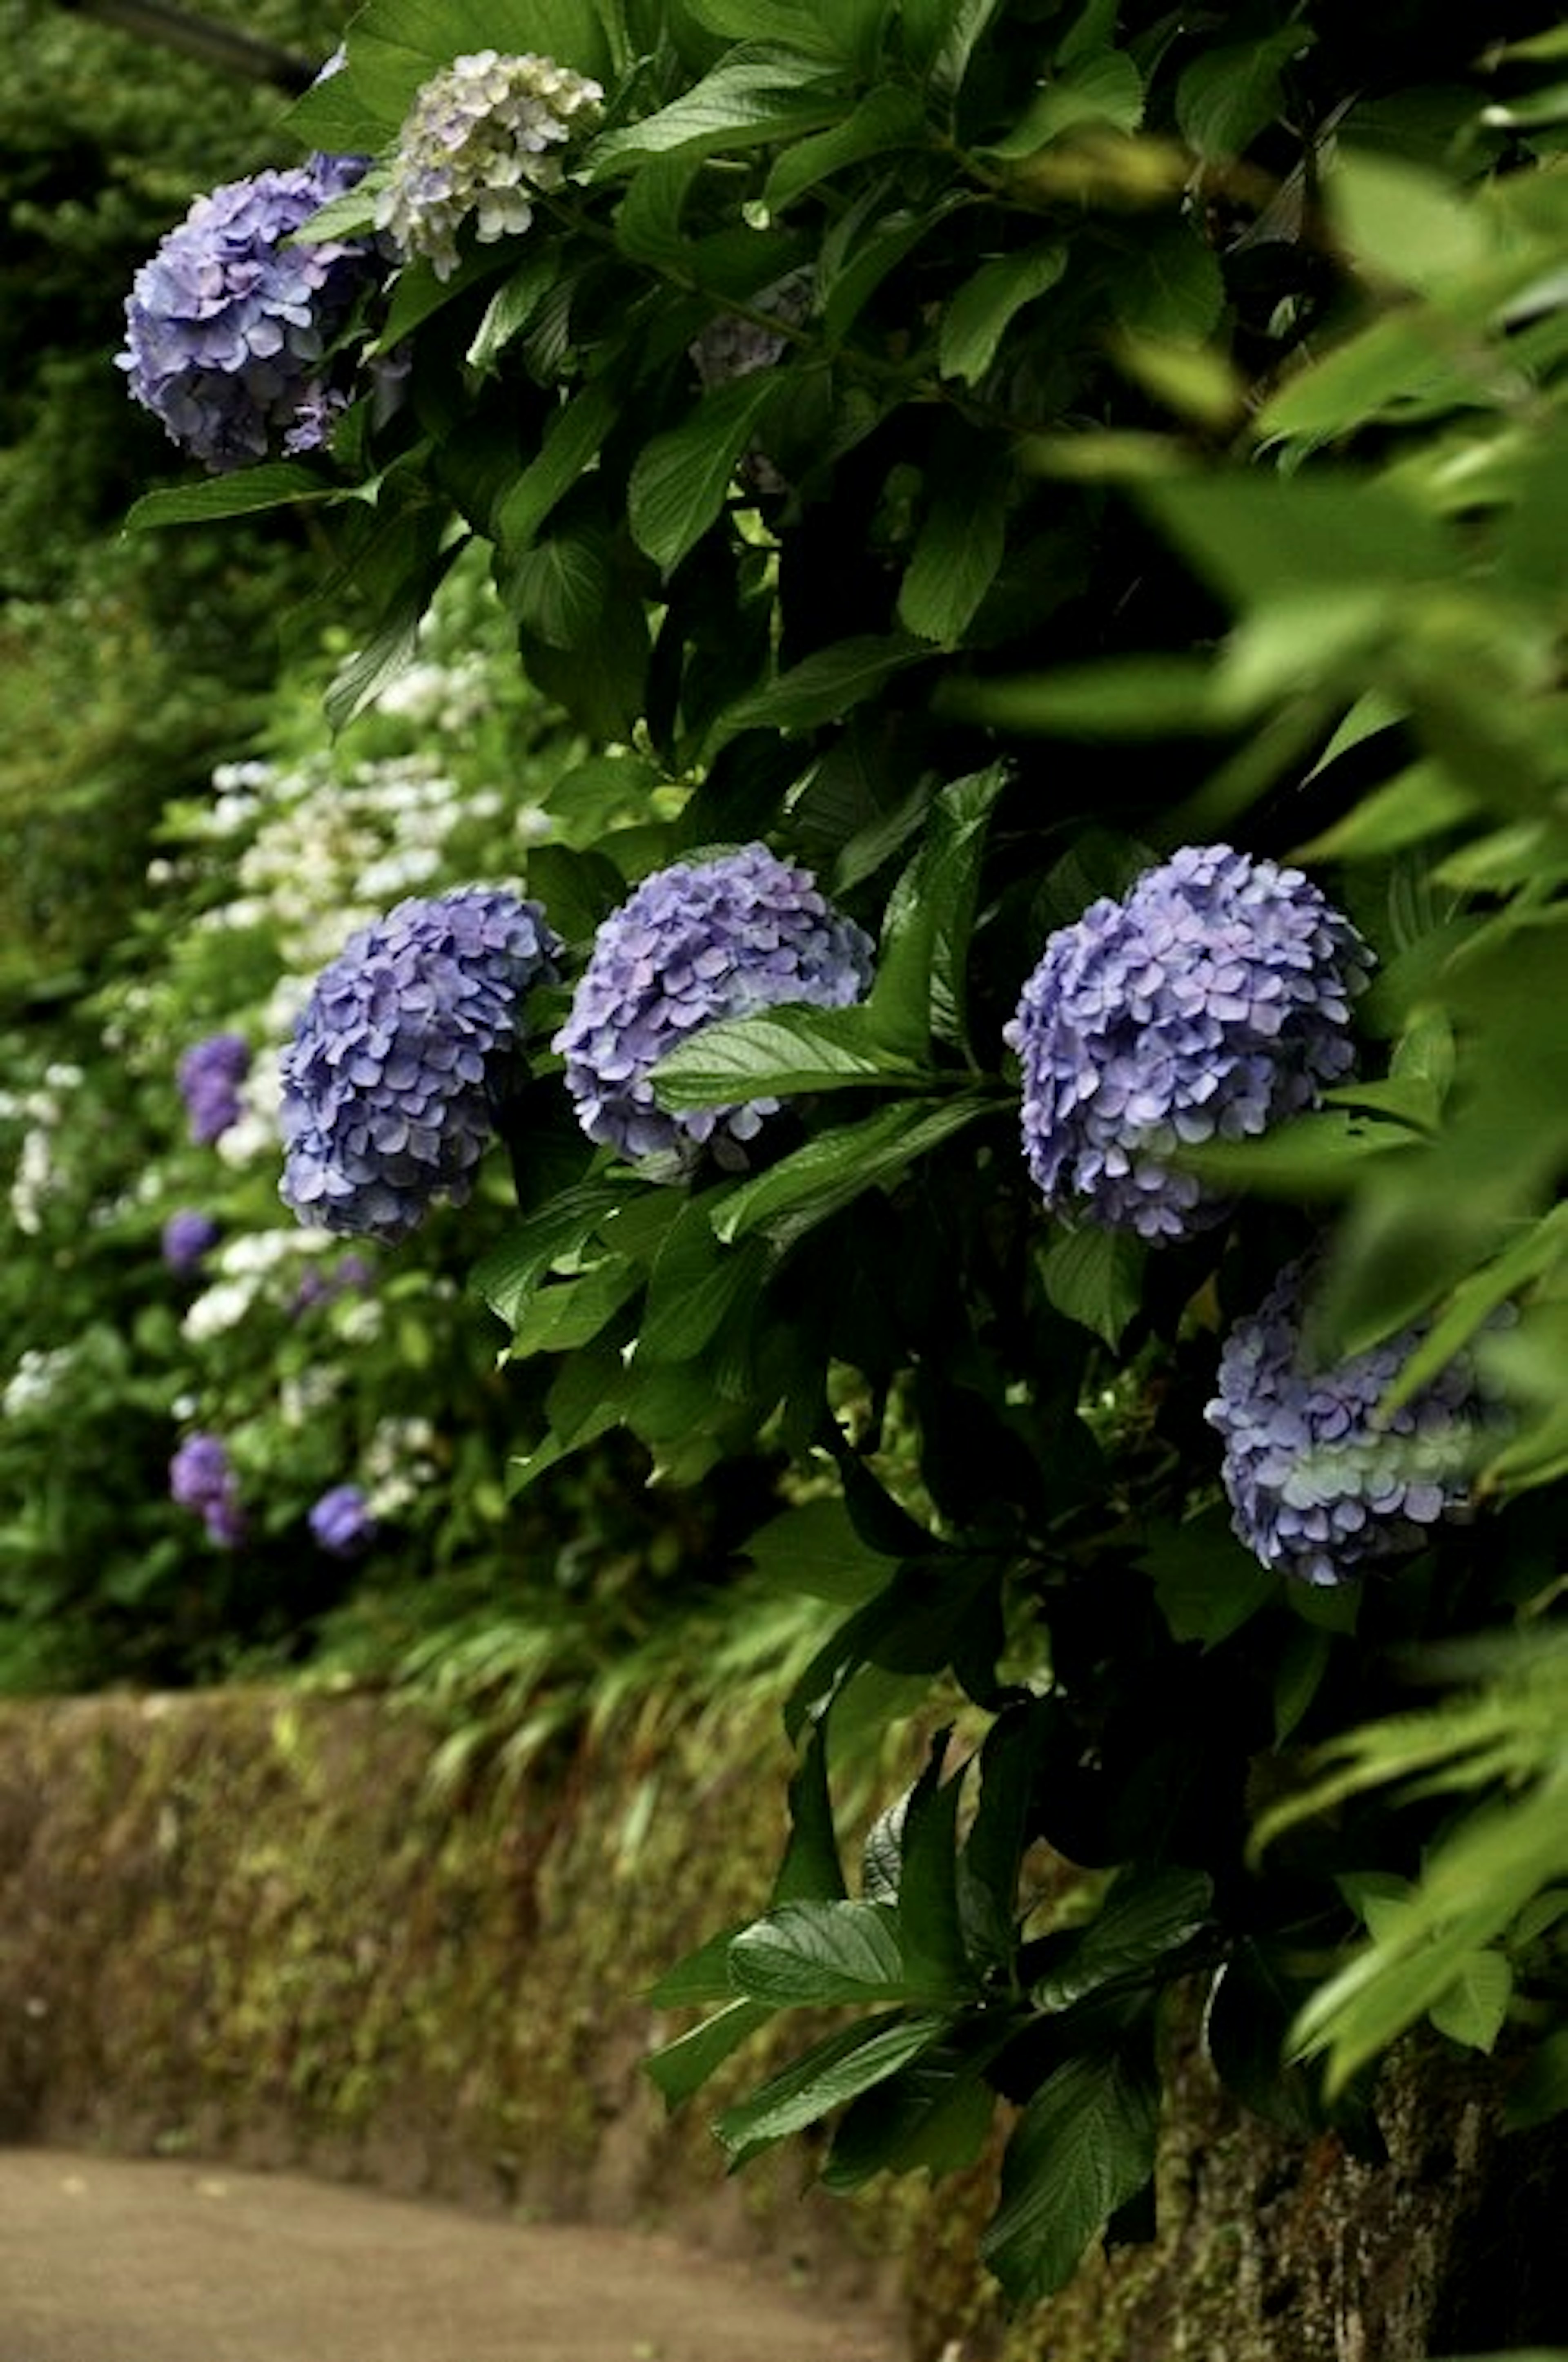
(252, 1925)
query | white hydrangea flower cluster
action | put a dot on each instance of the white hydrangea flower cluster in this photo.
(247, 1270)
(479, 144)
(40, 1378)
(399, 1464)
(34, 1176)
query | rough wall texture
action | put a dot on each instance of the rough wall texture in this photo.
(249, 1925)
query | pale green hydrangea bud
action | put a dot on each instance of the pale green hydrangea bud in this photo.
(480, 142)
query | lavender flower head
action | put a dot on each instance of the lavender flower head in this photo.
(1316, 1487)
(201, 1478)
(209, 1075)
(479, 142)
(342, 1523)
(227, 326)
(188, 1237)
(1211, 1002)
(391, 1082)
(698, 942)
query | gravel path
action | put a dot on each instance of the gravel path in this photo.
(109, 2260)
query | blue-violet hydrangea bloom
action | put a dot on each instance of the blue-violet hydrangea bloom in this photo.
(480, 142)
(698, 942)
(227, 326)
(1317, 1483)
(390, 1083)
(209, 1075)
(1212, 1000)
(201, 1478)
(188, 1238)
(342, 1523)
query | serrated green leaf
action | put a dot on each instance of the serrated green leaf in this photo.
(810, 1871)
(1207, 1584)
(694, 1284)
(778, 1054)
(247, 491)
(1226, 96)
(1082, 2148)
(920, 990)
(754, 97)
(957, 555)
(682, 2067)
(823, 687)
(1095, 1277)
(887, 117)
(1147, 1915)
(1474, 2007)
(838, 1167)
(819, 1953)
(507, 1276)
(934, 2115)
(680, 480)
(570, 443)
(979, 316)
(815, 1549)
(834, 2072)
(564, 1314)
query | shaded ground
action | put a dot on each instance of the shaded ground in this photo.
(106, 2260)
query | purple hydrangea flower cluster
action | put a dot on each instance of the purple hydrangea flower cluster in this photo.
(1210, 1002)
(479, 142)
(201, 1477)
(188, 1236)
(391, 1080)
(342, 1522)
(209, 1075)
(349, 1275)
(227, 326)
(697, 942)
(1316, 1484)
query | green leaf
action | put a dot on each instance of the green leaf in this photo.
(682, 2067)
(778, 1054)
(887, 117)
(564, 1314)
(570, 443)
(1099, 88)
(1408, 225)
(813, 1548)
(810, 1871)
(1147, 1914)
(1082, 2148)
(680, 480)
(1095, 1277)
(979, 316)
(1003, 1827)
(245, 492)
(1254, 536)
(1170, 287)
(1207, 1584)
(823, 687)
(957, 552)
(694, 1284)
(836, 2070)
(1226, 96)
(934, 2115)
(839, 1165)
(940, 1609)
(818, 1953)
(556, 588)
(920, 989)
(1121, 697)
(755, 96)
(1423, 800)
(507, 1276)
(1474, 2007)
